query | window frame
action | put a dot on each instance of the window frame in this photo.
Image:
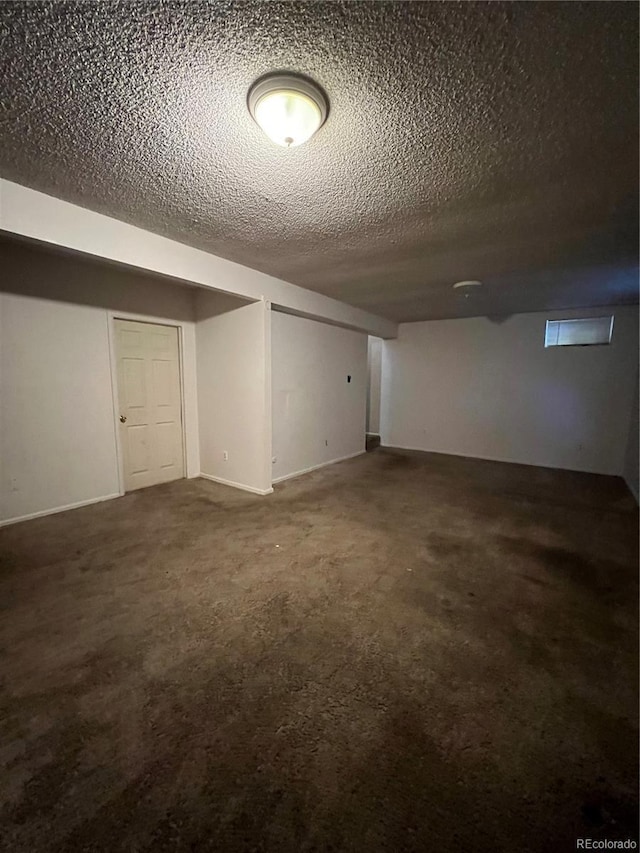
(557, 325)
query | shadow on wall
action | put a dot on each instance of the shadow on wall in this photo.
(211, 303)
(499, 319)
(34, 271)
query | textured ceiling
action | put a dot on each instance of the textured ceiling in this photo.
(473, 140)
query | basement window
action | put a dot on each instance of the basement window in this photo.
(578, 333)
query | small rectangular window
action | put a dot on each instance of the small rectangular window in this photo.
(578, 333)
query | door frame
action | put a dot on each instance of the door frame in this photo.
(112, 316)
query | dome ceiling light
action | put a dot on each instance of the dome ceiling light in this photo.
(467, 286)
(468, 283)
(288, 108)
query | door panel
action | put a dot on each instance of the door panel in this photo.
(138, 449)
(162, 382)
(150, 402)
(167, 445)
(133, 389)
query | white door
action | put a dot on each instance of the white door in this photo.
(150, 416)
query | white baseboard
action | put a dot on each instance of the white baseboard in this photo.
(6, 521)
(496, 459)
(315, 467)
(235, 485)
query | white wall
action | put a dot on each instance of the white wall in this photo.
(318, 417)
(57, 419)
(489, 388)
(42, 217)
(631, 459)
(374, 384)
(234, 405)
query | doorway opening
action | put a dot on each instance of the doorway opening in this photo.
(374, 381)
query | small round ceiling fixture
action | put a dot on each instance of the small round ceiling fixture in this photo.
(289, 108)
(467, 283)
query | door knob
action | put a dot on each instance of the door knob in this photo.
(123, 418)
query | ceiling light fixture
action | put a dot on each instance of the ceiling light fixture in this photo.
(289, 108)
(468, 283)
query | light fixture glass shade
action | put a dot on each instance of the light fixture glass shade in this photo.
(288, 118)
(467, 283)
(288, 109)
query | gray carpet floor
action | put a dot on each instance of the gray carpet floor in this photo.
(402, 652)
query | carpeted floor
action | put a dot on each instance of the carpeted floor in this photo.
(403, 652)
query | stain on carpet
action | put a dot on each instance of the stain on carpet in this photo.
(402, 652)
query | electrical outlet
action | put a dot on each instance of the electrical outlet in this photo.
(14, 484)
(225, 455)
(274, 459)
(326, 443)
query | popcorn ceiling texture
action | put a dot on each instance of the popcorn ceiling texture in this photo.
(492, 141)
